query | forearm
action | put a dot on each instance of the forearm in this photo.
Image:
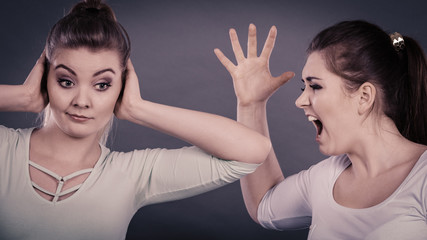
(255, 185)
(15, 98)
(220, 136)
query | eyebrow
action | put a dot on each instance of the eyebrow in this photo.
(312, 78)
(103, 71)
(95, 74)
(66, 68)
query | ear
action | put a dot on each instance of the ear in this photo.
(367, 93)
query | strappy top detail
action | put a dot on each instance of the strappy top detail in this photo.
(61, 181)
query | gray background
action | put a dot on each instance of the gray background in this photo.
(172, 50)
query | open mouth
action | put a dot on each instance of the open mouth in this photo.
(317, 123)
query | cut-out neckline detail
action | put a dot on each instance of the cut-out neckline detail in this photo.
(61, 181)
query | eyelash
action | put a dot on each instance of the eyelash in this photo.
(313, 86)
(65, 83)
(106, 85)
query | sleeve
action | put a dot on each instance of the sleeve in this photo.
(164, 175)
(286, 206)
(5, 140)
(13, 146)
(6, 135)
(11, 139)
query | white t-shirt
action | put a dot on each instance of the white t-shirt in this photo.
(306, 200)
(119, 184)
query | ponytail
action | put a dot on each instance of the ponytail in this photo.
(416, 117)
(359, 51)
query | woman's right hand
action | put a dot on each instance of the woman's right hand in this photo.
(253, 82)
(35, 87)
(31, 96)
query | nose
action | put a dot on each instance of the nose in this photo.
(303, 100)
(81, 99)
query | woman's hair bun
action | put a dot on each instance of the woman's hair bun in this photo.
(93, 3)
(93, 7)
(91, 24)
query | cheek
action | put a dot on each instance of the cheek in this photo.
(107, 101)
(109, 104)
(56, 98)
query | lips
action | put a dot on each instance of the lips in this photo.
(317, 123)
(78, 118)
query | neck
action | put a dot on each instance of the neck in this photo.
(382, 148)
(65, 148)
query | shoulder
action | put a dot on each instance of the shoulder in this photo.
(416, 182)
(320, 176)
(330, 166)
(420, 169)
(422, 161)
(11, 135)
(14, 143)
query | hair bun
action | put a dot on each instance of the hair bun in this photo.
(93, 4)
(93, 7)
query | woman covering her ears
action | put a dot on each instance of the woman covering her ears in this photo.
(59, 181)
(366, 93)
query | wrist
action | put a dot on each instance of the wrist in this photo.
(253, 110)
(29, 101)
(251, 106)
(254, 116)
(131, 109)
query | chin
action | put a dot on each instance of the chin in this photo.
(80, 132)
(328, 151)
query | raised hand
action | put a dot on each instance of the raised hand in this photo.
(36, 85)
(131, 95)
(217, 135)
(31, 96)
(254, 85)
(253, 82)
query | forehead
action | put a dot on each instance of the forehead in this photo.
(315, 66)
(84, 59)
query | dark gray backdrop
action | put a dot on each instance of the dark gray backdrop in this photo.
(172, 50)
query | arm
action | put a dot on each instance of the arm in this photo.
(220, 136)
(253, 86)
(28, 97)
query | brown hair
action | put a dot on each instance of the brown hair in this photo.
(361, 52)
(90, 24)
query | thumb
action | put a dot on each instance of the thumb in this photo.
(284, 78)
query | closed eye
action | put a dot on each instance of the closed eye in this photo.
(315, 86)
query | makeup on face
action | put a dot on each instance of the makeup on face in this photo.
(327, 106)
(83, 87)
(67, 78)
(310, 81)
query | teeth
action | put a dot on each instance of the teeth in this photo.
(311, 118)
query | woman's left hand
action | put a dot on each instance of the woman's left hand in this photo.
(130, 95)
